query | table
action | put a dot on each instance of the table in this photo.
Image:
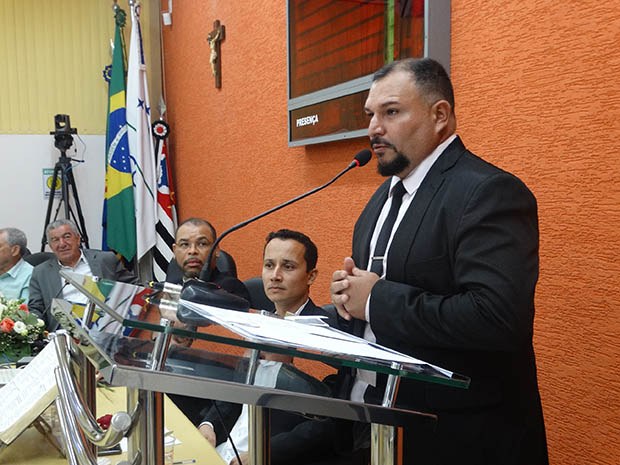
(30, 448)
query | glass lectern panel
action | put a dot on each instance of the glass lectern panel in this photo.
(121, 306)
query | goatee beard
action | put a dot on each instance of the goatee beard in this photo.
(392, 168)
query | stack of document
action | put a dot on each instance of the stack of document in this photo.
(261, 328)
(6, 375)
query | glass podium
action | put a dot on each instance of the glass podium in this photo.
(105, 333)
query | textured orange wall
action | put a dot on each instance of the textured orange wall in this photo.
(537, 93)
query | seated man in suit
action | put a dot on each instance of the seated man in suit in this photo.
(64, 239)
(14, 271)
(193, 240)
(289, 269)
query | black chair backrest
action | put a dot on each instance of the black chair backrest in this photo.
(38, 257)
(225, 263)
(258, 298)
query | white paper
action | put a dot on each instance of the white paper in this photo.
(261, 328)
(28, 394)
(7, 374)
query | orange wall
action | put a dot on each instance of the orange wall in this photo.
(537, 93)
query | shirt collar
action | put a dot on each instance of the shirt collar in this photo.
(81, 260)
(298, 311)
(414, 179)
(14, 270)
(302, 307)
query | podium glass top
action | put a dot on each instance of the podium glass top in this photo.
(120, 310)
(188, 371)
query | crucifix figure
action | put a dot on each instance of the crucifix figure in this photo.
(215, 38)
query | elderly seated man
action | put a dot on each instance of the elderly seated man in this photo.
(14, 271)
(64, 239)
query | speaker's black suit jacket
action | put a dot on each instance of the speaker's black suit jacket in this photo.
(459, 293)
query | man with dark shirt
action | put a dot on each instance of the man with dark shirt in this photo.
(444, 268)
(193, 241)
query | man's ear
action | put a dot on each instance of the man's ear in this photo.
(174, 246)
(312, 276)
(441, 111)
(15, 250)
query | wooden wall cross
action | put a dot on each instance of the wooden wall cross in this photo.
(215, 38)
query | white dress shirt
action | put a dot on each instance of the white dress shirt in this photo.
(266, 376)
(69, 292)
(411, 183)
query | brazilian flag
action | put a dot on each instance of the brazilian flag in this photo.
(119, 220)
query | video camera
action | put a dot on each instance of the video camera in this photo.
(62, 132)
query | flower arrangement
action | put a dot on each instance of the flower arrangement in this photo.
(21, 332)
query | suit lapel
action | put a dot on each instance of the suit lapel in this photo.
(93, 262)
(54, 278)
(405, 235)
(310, 309)
(363, 235)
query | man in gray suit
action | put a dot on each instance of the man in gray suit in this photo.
(64, 239)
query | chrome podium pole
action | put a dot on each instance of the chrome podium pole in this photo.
(383, 437)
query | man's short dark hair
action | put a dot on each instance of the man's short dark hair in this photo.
(311, 254)
(428, 74)
(16, 236)
(198, 222)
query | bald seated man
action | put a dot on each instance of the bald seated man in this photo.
(193, 241)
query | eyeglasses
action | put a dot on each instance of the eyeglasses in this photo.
(200, 245)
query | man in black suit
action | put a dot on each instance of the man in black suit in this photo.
(64, 239)
(455, 285)
(289, 269)
(192, 245)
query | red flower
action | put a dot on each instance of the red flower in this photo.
(6, 325)
(24, 307)
(104, 421)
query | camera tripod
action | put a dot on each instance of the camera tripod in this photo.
(63, 171)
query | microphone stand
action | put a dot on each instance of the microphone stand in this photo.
(204, 291)
(360, 160)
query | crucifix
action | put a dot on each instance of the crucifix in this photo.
(215, 38)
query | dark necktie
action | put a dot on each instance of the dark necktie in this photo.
(376, 265)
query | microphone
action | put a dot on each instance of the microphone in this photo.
(165, 286)
(205, 292)
(200, 292)
(361, 159)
